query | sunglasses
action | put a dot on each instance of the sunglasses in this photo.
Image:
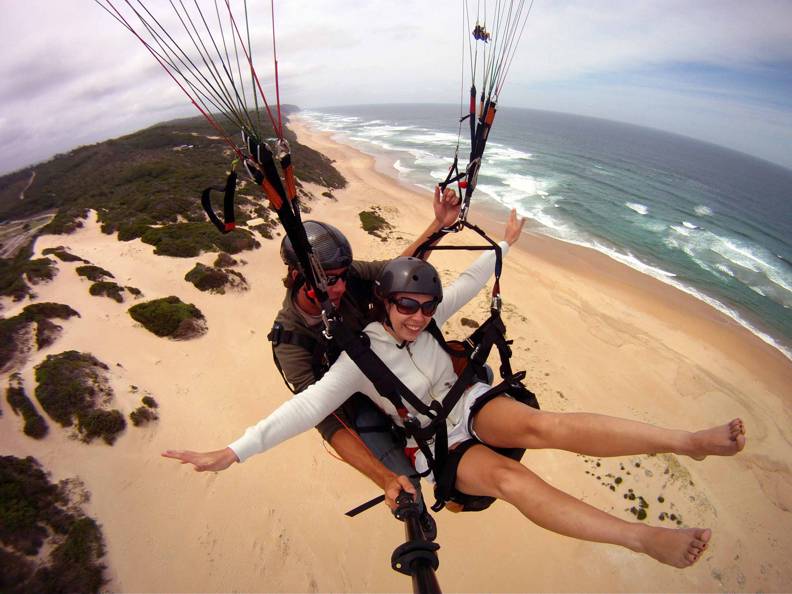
(334, 278)
(408, 306)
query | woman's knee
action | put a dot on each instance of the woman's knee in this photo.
(508, 478)
(504, 422)
(538, 427)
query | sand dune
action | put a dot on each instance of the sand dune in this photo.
(592, 334)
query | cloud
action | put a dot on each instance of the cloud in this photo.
(82, 75)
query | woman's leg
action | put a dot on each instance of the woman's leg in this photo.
(485, 472)
(504, 422)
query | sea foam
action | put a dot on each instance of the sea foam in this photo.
(641, 209)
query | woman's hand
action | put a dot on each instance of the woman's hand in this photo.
(396, 485)
(513, 227)
(203, 461)
(446, 206)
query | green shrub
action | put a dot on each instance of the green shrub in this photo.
(165, 316)
(15, 571)
(66, 221)
(70, 383)
(187, 240)
(48, 310)
(224, 260)
(12, 329)
(142, 416)
(469, 323)
(107, 289)
(94, 273)
(150, 402)
(96, 422)
(134, 229)
(373, 223)
(30, 505)
(35, 425)
(47, 333)
(62, 254)
(40, 270)
(27, 500)
(206, 278)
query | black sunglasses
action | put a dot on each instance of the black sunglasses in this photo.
(334, 278)
(408, 306)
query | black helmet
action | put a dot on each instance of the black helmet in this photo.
(329, 245)
(409, 275)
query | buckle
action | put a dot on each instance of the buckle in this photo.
(274, 335)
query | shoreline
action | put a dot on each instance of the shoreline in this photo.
(486, 207)
(597, 267)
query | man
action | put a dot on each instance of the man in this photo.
(302, 354)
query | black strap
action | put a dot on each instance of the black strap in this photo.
(229, 221)
(385, 382)
(364, 506)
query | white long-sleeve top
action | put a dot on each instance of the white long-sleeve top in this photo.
(423, 366)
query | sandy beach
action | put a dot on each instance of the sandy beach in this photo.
(592, 334)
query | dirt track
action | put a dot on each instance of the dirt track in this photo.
(16, 234)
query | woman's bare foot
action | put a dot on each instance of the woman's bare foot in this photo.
(724, 440)
(680, 547)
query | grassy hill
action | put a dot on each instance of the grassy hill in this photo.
(146, 184)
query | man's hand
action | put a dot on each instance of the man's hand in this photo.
(396, 485)
(204, 461)
(446, 206)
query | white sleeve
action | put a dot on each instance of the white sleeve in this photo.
(468, 284)
(303, 411)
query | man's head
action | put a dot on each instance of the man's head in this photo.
(333, 251)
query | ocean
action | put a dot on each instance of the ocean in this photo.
(712, 222)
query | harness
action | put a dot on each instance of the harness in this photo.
(324, 351)
(470, 358)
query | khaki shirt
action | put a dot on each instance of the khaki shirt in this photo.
(297, 363)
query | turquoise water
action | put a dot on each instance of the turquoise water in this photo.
(710, 221)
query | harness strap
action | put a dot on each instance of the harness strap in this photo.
(280, 336)
(386, 383)
(228, 223)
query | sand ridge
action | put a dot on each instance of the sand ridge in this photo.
(592, 334)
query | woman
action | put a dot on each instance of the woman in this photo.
(411, 296)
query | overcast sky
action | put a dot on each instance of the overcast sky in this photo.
(717, 70)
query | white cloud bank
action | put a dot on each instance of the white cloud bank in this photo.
(71, 75)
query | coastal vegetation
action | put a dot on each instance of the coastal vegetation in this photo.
(72, 387)
(171, 317)
(108, 289)
(48, 543)
(144, 414)
(374, 223)
(62, 254)
(144, 185)
(94, 273)
(224, 260)
(215, 280)
(187, 240)
(21, 271)
(16, 333)
(35, 425)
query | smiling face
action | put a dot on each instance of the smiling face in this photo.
(335, 291)
(409, 314)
